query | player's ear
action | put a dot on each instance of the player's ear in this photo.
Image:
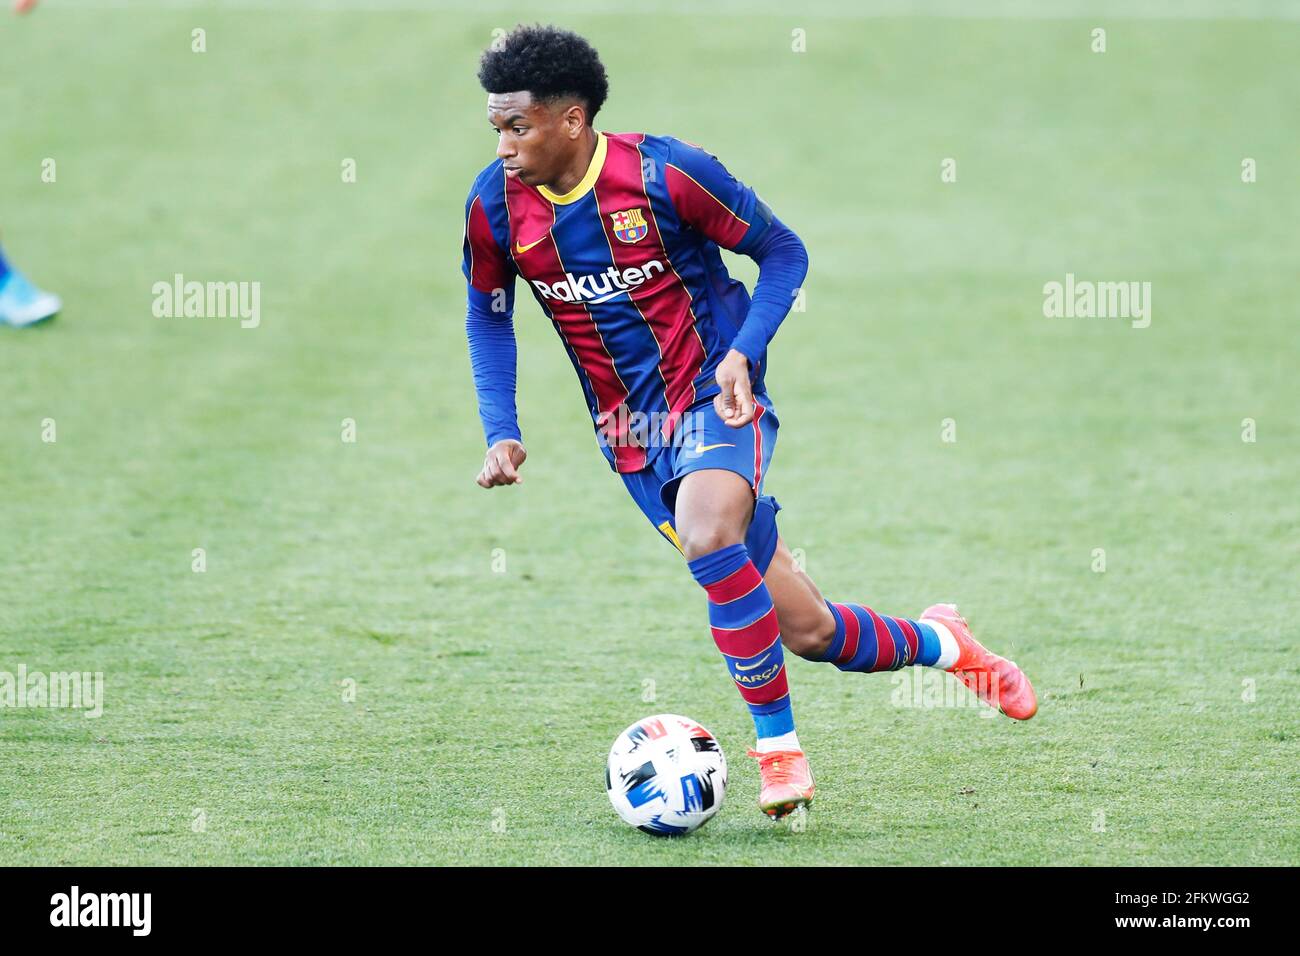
(575, 118)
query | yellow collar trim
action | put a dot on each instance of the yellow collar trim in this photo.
(588, 180)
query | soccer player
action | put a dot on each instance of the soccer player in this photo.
(617, 236)
(21, 303)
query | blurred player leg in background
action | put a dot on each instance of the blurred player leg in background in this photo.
(21, 303)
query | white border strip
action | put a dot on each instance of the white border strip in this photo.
(1092, 10)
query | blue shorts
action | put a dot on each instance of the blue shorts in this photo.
(703, 440)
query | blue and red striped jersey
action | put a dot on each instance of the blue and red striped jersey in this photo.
(627, 267)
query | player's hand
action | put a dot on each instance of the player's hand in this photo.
(735, 403)
(501, 467)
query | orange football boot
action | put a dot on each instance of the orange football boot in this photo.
(787, 781)
(995, 680)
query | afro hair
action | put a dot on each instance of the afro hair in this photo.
(547, 62)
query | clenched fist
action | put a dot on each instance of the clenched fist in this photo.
(501, 467)
(735, 403)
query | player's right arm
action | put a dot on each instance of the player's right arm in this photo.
(490, 287)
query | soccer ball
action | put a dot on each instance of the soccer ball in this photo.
(666, 775)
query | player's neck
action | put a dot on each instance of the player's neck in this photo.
(576, 169)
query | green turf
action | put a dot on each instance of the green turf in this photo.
(488, 697)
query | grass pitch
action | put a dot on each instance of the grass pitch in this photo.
(357, 677)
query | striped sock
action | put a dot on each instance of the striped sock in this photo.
(745, 629)
(867, 641)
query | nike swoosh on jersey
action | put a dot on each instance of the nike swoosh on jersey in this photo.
(700, 449)
(521, 249)
(742, 667)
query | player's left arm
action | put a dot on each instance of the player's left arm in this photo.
(716, 204)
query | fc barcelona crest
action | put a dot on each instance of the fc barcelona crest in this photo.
(629, 225)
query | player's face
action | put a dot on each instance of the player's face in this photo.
(535, 141)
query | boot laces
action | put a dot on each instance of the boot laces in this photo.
(777, 766)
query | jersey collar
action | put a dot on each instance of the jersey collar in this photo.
(588, 180)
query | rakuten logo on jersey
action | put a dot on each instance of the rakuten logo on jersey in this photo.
(599, 287)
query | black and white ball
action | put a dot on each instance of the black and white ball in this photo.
(666, 775)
